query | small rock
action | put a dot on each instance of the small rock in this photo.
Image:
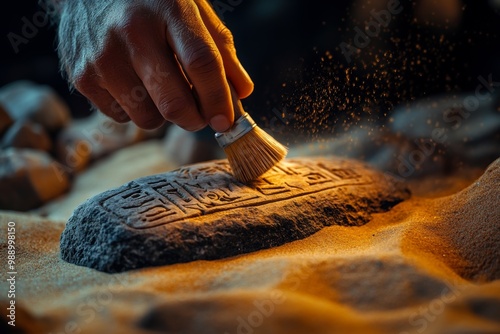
(38, 103)
(29, 178)
(463, 128)
(95, 136)
(72, 152)
(201, 212)
(26, 134)
(5, 120)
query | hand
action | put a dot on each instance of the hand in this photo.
(146, 60)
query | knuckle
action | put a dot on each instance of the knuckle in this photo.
(225, 36)
(204, 58)
(131, 28)
(85, 83)
(106, 58)
(173, 108)
(129, 33)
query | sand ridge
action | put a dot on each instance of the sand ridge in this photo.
(428, 265)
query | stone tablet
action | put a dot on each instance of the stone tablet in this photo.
(201, 212)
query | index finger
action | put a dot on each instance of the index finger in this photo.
(202, 62)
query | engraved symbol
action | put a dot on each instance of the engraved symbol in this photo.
(156, 213)
(345, 174)
(202, 172)
(136, 199)
(341, 173)
(316, 178)
(201, 190)
(172, 192)
(267, 187)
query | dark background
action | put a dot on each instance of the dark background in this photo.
(36, 60)
(284, 43)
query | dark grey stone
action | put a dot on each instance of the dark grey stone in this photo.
(29, 178)
(200, 212)
(90, 138)
(39, 103)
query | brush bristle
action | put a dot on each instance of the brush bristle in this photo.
(254, 154)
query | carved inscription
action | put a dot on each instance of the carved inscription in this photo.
(202, 190)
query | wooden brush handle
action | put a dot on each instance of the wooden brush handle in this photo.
(243, 123)
(237, 106)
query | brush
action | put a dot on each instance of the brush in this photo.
(250, 150)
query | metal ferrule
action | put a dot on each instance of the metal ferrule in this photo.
(241, 127)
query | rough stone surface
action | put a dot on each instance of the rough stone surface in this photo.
(29, 178)
(200, 212)
(26, 134)
(38, 103)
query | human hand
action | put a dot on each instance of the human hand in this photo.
(152, 60)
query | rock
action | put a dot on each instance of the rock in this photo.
(72, 152)
(432, 136)
(200, 212)
(38, 103)
(461, 129)
(5, 120)
(29, 178)
(95, 136)
(26, 134)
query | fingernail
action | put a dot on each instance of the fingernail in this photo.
(220, 123)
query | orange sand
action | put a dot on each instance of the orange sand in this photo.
(430, 265)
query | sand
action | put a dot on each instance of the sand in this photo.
(429, 265)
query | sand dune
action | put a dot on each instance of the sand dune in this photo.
(429, 265)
